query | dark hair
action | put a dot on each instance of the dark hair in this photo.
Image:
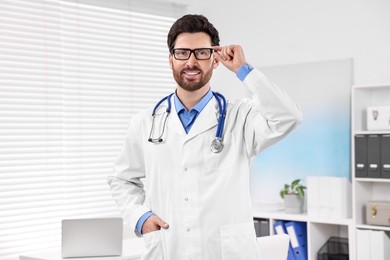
(192, 23)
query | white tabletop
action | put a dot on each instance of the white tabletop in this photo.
(132, 250)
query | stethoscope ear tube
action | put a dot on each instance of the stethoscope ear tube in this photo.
(159, 103)
(160, 139)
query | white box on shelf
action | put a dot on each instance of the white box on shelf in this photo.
(313, 199)
(324, 196)
(363, 244)
(340, 197)
(378, 118)
(329, 196)
(379, 245)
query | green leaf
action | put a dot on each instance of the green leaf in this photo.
(301, 193)
(295, 183)
(293, 188)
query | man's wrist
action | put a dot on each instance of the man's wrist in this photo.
(142, 220)
(243, 71)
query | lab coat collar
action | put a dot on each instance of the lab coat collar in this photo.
(207, 119)
(174, 122)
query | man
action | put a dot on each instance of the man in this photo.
(197, 203)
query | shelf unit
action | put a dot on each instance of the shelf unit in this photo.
(319, 230)
(366, 189)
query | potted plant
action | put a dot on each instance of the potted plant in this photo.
(293, 195)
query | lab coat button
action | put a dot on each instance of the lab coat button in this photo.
(185, 169)
(186, 199)
(188, 230)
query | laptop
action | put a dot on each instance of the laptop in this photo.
(92, 237)
(274, 247)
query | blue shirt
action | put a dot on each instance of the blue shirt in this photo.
(188, 118)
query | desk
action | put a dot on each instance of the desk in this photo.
(132, 250)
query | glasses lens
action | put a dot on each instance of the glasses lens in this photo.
(181, 54)
(200, 54)
(203, 54)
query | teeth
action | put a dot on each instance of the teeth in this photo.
(191, 72)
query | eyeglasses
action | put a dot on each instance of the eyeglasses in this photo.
(200, 54)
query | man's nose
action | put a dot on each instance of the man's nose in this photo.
(192, 59)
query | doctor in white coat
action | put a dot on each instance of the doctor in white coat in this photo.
(196, 204)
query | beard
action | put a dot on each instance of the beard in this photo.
(192, 84)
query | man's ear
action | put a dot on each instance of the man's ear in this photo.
(215, 63)
(170, 57)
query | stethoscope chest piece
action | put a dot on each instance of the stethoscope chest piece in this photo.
(216, 145)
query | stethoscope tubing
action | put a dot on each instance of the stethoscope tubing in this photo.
(221, 120)
(168, 98)
(222, 113)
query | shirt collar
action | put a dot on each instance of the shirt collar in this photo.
(198, 107)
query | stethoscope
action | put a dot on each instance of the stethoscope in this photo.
(216, 144)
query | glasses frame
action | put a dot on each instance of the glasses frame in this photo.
(192, 51)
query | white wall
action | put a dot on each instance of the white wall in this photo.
(286, 32)
(289, 32)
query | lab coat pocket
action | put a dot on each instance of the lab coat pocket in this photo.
(224, 159)
(154, 247)
(238, 241)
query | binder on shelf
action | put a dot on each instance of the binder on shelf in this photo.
(280, 229)
(261, 227)
(379, 245)
(373, 156)
(385, 156)
(256, 223)
(362, 244)
(372, 245)
(264, 228)
(360, 156)
(298, 238)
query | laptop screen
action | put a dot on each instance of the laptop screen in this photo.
(92, 237)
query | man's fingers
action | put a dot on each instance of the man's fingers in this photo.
(231, 56)
(218, 56)
(225, 53)
(153, 223)
(230, 51)
(161, 223)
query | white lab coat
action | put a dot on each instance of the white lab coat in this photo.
(204, 196)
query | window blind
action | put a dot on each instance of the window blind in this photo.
(71, 75)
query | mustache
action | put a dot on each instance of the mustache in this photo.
(191, 68)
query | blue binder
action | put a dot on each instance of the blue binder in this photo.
(298, 239)
(279, 228)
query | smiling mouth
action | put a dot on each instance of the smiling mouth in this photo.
(191, 75)
(191, 72)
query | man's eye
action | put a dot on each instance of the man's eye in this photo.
(182, 53)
